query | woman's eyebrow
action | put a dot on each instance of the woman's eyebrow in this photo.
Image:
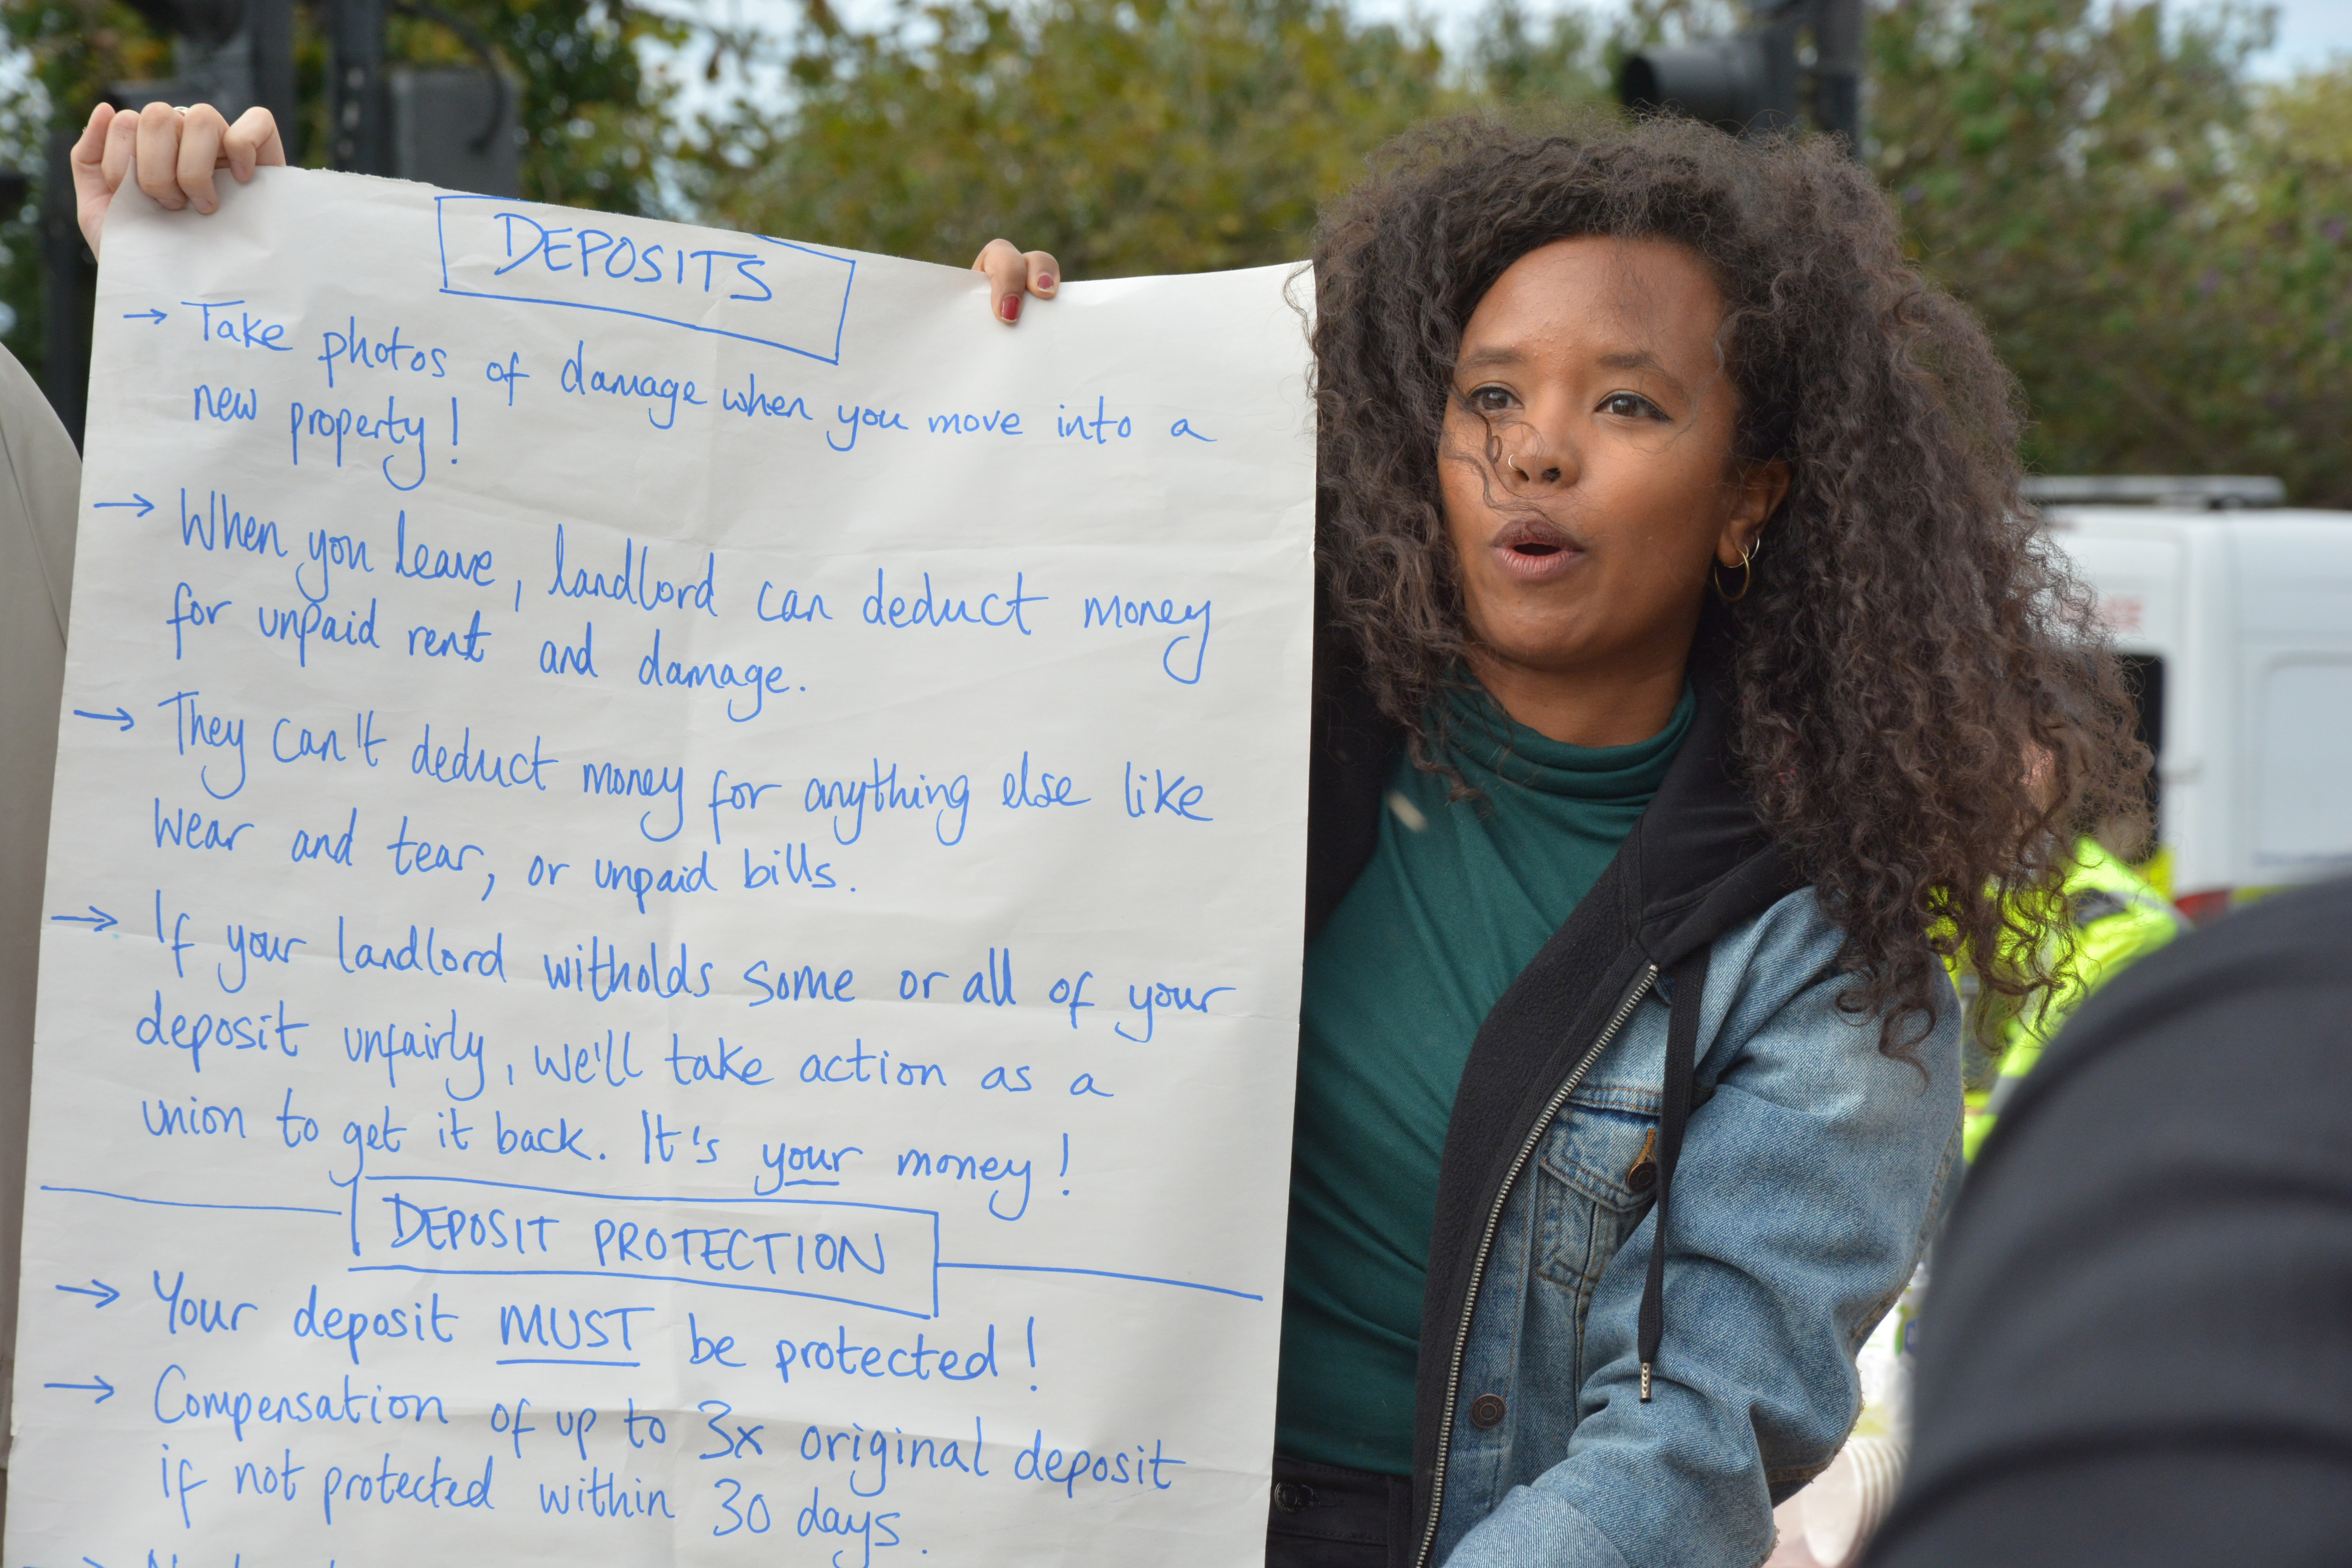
(1480, 358)
(1642, 359)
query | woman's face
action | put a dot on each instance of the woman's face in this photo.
(1587, 463)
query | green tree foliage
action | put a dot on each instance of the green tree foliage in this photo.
(594, 120)
(2155, 245)
(1149, 136)
(2159, 245)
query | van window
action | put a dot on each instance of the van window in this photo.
(2303, 758)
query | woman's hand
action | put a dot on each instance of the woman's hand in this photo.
(1013, 273)
(174, 153)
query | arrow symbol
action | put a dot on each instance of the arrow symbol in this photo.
(97, 919)
(105, 1293)
(101, 1383)
(156, 317)
(121, 716)
(142, 502)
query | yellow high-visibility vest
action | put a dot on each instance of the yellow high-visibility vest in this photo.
(2118, 919)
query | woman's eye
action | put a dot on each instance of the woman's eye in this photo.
(1490, 399)
(1630, 405)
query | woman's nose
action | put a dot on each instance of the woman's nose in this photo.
(1532, 460)
(1531, 469)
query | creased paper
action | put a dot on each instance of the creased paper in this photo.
(674, 909)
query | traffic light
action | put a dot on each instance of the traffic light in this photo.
(1802, 58)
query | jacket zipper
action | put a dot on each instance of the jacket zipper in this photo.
(1639, 988)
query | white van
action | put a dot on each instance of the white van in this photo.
(2236, 614)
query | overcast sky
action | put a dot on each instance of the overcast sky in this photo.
(2311, 32)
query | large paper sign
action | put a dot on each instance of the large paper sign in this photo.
(675, 907)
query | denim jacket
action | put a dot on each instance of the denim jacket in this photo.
(1812, 1170)
(1804, 1165)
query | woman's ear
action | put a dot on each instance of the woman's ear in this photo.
(1757, 494)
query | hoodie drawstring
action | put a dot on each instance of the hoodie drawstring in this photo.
(1689, 978)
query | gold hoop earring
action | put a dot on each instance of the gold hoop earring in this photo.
(1746, 575)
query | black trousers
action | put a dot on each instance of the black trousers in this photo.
(1327, 1516)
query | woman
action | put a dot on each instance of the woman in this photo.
(1682, 636)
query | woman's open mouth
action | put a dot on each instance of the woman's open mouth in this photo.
(1532, 550)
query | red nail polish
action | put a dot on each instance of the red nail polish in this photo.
(1045, 283)
(1011, 308)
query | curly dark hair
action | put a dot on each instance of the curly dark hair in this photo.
(1928, 713)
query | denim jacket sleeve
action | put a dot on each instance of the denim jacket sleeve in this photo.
(1808, 1181)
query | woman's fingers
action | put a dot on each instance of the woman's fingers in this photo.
(1013, 276)
(1008, 278)
(93, 192)
(155, 164)
(253, 143)
(173, 153)
(122, 150)
(1044, 274)
(202, 130)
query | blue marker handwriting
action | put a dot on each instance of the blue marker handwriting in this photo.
(188, 610)
(421, 954)
(350, 630)
(857, 416)
(468, 764)
(417, 857)
(752, 402)
(355, 350)
(898, 613)
(995, 422)
(193, 728)
(1185, 654)
(586, 252)
(433, 1042)
(238, 327)
(1098, 429)
(1050, 788)
(664, 392)
(304, 745)
(428, 565)
(327, 552)
(1162, 794)
(638, 880)
(506, 374)
(641, 783)
(740, 796)
(222, 527)
(340, 425)
(1151, 999)
(761, 680)
(789, 605)
(596, 969)
(225, 403)
(949, 801)
(632, 583)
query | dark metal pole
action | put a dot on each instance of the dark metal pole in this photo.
(1837, 70)
(359, 136)
(269, 25)
(70, 278)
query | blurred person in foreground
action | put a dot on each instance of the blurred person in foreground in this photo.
(40, 485)
(2138, 1347)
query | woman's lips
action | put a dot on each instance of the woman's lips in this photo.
(1533, 551)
